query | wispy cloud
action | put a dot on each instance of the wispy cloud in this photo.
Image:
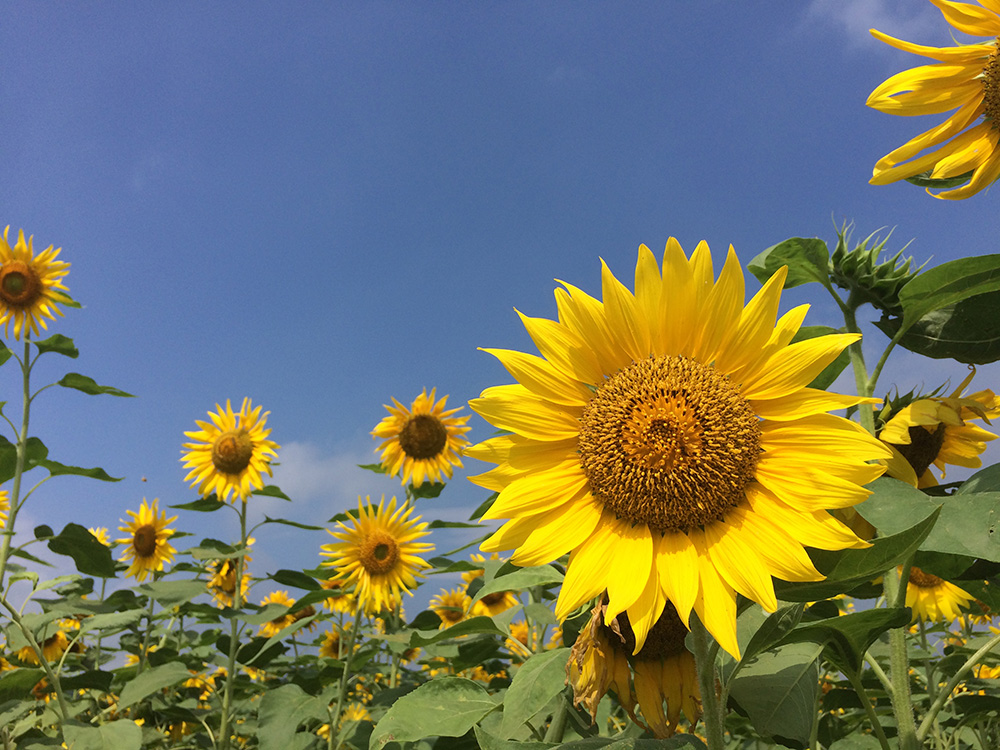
(900, 18)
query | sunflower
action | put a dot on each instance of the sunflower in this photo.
(355, 712)
(146, 544)
(339, 600)
(425, 441)
(965, 78)
(663, 671)
(491, 604)
(275, 626)
(4, 507)
(936, 432)
(232, 452)
(53, 648)
(29, 286)
(101, 534)
(222, 582)
(451, 606)
(934, 599)
(378, 553)
(332, 643)
(668, 441)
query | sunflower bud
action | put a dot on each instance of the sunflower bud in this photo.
(859, 271)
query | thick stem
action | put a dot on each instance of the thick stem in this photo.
(712, 710)
(22, 442)
(234, 632)
(899, 664)
(861, 381)
(558, 726)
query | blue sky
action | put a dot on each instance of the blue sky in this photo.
(324, 205)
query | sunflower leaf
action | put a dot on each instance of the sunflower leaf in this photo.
(427, 490)
(307, 527)
(59, 344)
(281, 711)
(57, 469)
(271, 490)
(807, 258)
(503, 576)
(377, 468)
(536, 682)
(295, 578)
(202, 505)
(91, 557)
(481, 624)
(87, 385)
(152, 681)
(847, 638)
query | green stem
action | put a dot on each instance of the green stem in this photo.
(100, 632)
(22, 442)
(880, 673)
(145, 637)
(902, 701)
(712, 710)
(859, 688)
(861, 381)
(558, 726)
(344, 676)
(234, 632)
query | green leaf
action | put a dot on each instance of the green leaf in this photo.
(56, 469)
(773, 629)
(213, 549)
(484, 506)
(5, 353)
(508, 577)
(967, 525)
(857, 742)
(59, 344)
(984, 480)
(172, 593)
(807, 258)
(34, 452)
(948, 284)
(480, 624)
(832, 371)
(537, 681)
(91, 557)
(377, 468)
(271, 490)
(295, 578)
(777, 690)
(850, 636)
(92, 680)
(489, 741)
(307, 527)
(427, 490)
(446, 707)
(151, 681)
(281, 711)
(203, 505)
(16, 684)
(678, 742)
(123, 734)
(453, 525)
(82, 383)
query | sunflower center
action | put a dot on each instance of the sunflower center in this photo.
(144, 540)
(991, 86)
(923, 448)
(669, 442)
(665, 638)
(923, 580)
(491, 600)
(450, 613)
(232, 451)
(19, 284)
(423, 436)
(379, 553)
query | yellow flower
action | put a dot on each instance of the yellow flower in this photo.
(339, 600)
(222, 580)
(378, 553)
(936, 432)
(146, 544)
(29, 286)
(965, 78)
(425, 441)
(53, 648)
(662, 672)
(275, 626)
(669, 442)
(354, 712)
(4, 507)
(231, 453)
(331, 645)
(933, 599)
(491, 604)
(101, 532)
(451, 606)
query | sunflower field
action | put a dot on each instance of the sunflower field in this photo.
(683, 539)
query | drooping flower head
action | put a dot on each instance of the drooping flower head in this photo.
(937, 431)
(451, 605)
(377, 553)
(423, 442)
(668, 440)
(232, 452)
(30, 287)
(146, 544)
(934, 599)
(965, 78)
(491, 604)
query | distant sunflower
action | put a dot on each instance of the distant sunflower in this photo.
(936, 432)
(53, 648)
(668, 440)
(146, 544)
(965, 78)
(662, 672)
(355, 712)
(378, 553)
(934, 599)
(491, 604)
(279, 623)
(4, 507)
(424, 441)
(452, 606)
(332, 643)
(101, 534)
(339, 599)
(232, 452)
(29, 286)
(222, 581)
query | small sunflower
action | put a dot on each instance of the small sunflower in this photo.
(332, 643)
(424, 441)
(378, 553)
(29, 286)
(4, 507)
(222, 582)
(232, 452)
(451, 606)
(934, 599)
(662, 672)
(101, 534)
(668, 440)
(965, 78)
(355, 712)
(146, 544)
(339, 600)
(53, 648)
(937, 432)
(491, 604)
(275, 626)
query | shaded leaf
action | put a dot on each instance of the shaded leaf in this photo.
(172, 593)
(850, 636)
(481, 624)
(202, 505)
(91, 680)
(91, 557)
(87, 385)
(377, 468)
(948, 284)
(427, 490)
(151, 681)
(123, 734)
(488, 741)
(508, 577)
(16, 684)
(540, 679)
(295, 578)
(281, 711)
(773, 630)
(453, 525)
(59, 344)
(807, 258)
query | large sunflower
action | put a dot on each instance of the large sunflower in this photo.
(667, 439)
(378, 553)
(146, 544)
(29, 286)
(934, 599)
(232, 452)
(965, 78)
(936, 432)
(424, 441)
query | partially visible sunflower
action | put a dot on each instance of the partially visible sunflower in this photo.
(937, 431)
(452, 606)
(663, 671)
(668, 440)
(378, 553)
(355, 712)
(275, 626)
(4, 507)
(332, 643)
(231, 453)
(146, 544)
(491, 604)
(101, 534)
(222, 579)
(53, 648)
(424, 441)
(29, 286)
(934, 599)
(966, 78)
(339, 600)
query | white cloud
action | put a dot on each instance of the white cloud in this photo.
(307, 474)
(900, 18)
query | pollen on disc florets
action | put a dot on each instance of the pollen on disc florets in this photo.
(991, 86)
(669, 442)
(923, 580)
(144, 540)
(232, 451)
(924, 447)
(423, 436)
(379, 553)
(19, 284)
